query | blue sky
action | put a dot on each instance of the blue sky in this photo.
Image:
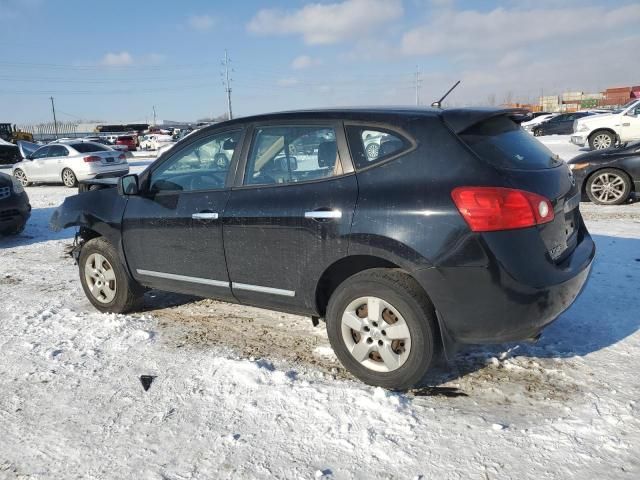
(115, 60)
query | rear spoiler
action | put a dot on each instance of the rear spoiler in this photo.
(460, 119)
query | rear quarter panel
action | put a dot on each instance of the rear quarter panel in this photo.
(405, 213)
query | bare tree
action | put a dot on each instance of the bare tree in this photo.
(491, 99)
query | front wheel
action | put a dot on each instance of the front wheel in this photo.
(537, 132)
(608, 187)
(382, 327)
(601, 140)
(69, 178)
(105, 281)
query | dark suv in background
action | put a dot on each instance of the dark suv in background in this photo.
(15, 208)
(458, 227)
(559, 125)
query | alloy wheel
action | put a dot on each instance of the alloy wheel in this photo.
(21, 177)
(373, 149)
(601, 141)
(608, 187)
(100, 278)
(376, 334)
(68, 178)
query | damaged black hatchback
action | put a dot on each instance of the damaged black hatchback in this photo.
(408, 230)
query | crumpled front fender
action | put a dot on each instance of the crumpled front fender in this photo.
(98, 210)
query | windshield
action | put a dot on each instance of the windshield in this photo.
(88, 147)
(504, 144)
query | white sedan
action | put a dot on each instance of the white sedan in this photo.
(68, 162)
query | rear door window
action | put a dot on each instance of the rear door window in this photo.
(502, 143)
(371, 145)
(286, 154)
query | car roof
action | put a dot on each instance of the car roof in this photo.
(458, 119)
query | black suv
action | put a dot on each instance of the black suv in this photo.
(15, 209)
(458, 227)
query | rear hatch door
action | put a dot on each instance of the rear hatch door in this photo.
(527, 164)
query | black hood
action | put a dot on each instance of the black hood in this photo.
(629, 150)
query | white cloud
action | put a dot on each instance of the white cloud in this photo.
(201, 22)
(502, 29)
(327, 23)
(121, 59)
(304, 61)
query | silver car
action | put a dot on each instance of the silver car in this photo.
(68, 162)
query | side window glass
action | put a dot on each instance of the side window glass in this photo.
(57, 151)
(41, 152)
(200, 166)
(370, 145)
(292, 154)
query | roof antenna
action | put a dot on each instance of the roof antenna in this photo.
(438, 104)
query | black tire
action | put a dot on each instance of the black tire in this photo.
(617, 179)
(69, 178)
(128, 293)
(19, 175)
(537, 132)
(601, 139)
(406, 296)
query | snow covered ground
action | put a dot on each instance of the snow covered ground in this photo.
(246, 393)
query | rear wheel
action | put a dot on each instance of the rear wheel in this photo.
(608, 187)
(381, 326)
(602, 139)
(105, 281)
(69, 178)
(21, 177)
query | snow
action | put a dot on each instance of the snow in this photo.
(72, 403)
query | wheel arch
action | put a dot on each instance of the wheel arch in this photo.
(346, 267)
(603, 129)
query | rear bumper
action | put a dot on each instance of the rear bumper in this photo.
(488, 305)
(117, 171)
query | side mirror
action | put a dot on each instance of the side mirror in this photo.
(29, 157)
(128, 185)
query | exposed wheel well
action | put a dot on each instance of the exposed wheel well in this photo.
(87, 234)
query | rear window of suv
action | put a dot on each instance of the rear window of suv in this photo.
(502, 142)
(87, 147)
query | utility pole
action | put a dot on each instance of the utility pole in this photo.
(418, 81)
(227, 82)
(154, 115)
(55, 122)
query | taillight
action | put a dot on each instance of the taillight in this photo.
(487, 209)
(122, 157)
(91, 158)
